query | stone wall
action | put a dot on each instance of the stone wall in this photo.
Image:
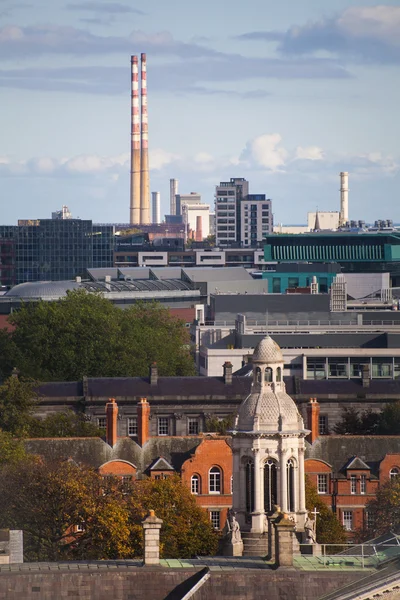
(158, 584)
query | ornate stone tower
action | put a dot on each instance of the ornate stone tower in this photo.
(268, 447)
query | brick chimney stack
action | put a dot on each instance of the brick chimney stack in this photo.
(111, 422)
(313, 419)
(228, 373)
(153, 374)
(143, 414)
(366, 380)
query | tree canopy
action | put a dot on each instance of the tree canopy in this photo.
(384, 509)
(71, 512)
(329, 530)
(84, 334)
(367, 422)
(17, 401)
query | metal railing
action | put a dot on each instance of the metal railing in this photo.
(365, 556)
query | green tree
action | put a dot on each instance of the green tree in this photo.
(389, 419)
(186, 529)
(11, 449)
(221, 426)
(329, 530)
(49, 500)
(64, 424)
(368, 422)
(384, 509)
(17, 401)
(85, 334)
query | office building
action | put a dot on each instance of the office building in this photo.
(255, 219)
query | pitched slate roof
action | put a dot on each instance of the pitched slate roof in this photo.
(338, 450)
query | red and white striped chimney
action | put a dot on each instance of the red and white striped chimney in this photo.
(144, 167)
(134, 212)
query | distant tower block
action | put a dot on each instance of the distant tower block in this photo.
(173, 191)
(134, 209)
(199, 228)
(156, 205)
(344, 198)
(144, 146)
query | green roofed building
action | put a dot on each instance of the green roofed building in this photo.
(355, 252)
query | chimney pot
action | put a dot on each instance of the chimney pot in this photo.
(143, 414)
(313, 409)
(111, 422)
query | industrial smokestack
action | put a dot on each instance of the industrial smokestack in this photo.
(134, 208)
(144, 165)
(344, 198)
(173, 191)
(155, 197)
(199, 228)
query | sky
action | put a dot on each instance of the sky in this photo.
(286, 94)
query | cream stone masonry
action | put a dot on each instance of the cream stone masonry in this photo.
(268, 447)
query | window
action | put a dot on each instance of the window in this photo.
(369, 520)
(215, 519)
(270, 485)
(161, 476)
(163, 426)
(101, 422)
(394, 472)
(290, 486)
(193, 426)
(195, 484)
(363, 484)
(353, 484)
(338, 367)
(315, 368)
(348, 520)
(323, 424)
(215, 481)
(276, 285)
(132, 426)
(293, 282)
(249, 486)
(322, 484)
(382, 368)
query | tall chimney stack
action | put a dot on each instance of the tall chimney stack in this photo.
(134, 210)
(156, 205)
(144, 166)
(111, 422)
(344, 198)
(199, 228)
(173, 191)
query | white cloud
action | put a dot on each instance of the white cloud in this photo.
(309, 153)
(266, 151)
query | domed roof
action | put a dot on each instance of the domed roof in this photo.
(42, 289)
(269, 411)
(267, 351)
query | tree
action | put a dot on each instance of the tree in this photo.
(11, 449)
(221, 426)
(329, 530)
(64, 424)
(384, 509)
(389, 419)
(186, 529)
(17, 401)
(49, 500)
(367, 422)
(85, 334)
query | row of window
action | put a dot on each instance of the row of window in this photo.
(214, 482)
(346, 367)
(163, 425)
(358, 484)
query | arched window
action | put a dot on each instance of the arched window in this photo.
(394, 472)
(249, 486)
(290, 485)
(214, 480)
(279, 374)
(195, 484)
(270, 486)
(268, 375)
(258, 375)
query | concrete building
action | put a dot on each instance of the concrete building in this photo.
(327, 220)
(241, 218)
(189, 199)
(156, 207)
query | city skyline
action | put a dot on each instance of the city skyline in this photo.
(286, 96)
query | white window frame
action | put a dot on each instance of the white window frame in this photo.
(394, 472)
(363, 484)
(347, 520)
(100, 421)
(132, 426)
(353, 484)
(214, 480)
(322, 483)
(323, 424)
(163, 426)
(195, 484)
(215, 518)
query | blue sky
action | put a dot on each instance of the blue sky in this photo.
(286, 94)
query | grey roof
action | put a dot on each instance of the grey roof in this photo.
(102, 273)
(134, 272)
(204, 274)
(167, 272)
(137, 285)
(94, 452)
(42, 289)
(337, 450)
